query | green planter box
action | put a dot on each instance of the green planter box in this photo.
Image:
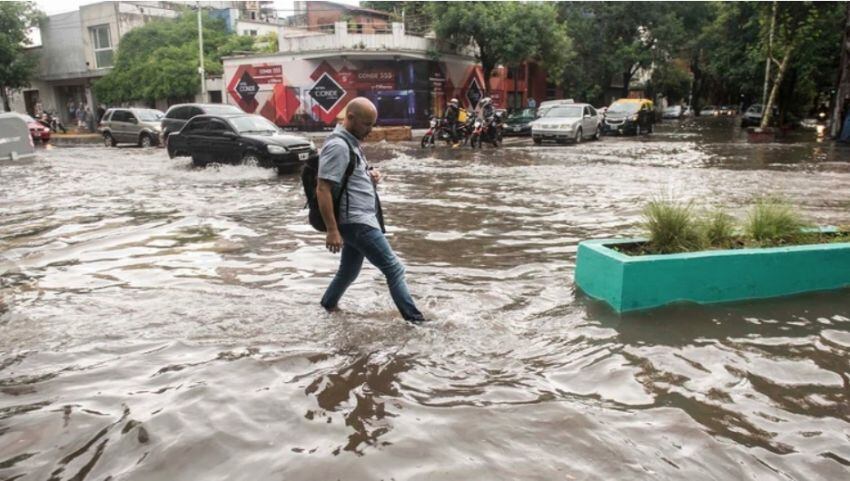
(629, 283)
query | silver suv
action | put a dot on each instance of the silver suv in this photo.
(137, 126)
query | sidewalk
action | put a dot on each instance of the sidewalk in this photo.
(75, 138)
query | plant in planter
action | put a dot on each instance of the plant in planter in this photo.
(706, 260)
(718, 230)
(671, 227)
(773, 222)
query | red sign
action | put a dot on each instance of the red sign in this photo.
(246, 82)
(268, 74)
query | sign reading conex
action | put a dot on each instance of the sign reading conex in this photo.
(326, 92)
(247, 87)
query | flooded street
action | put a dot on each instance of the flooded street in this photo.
(161, 322)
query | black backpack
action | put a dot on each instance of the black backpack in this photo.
(309, 181)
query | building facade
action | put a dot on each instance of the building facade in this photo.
(308, 83)
(79, 47)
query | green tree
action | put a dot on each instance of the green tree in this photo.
(617, 39)
(16, 64)
(795, 28)
(728, 54)
(505, 32)
(160, 60)
(415, 14)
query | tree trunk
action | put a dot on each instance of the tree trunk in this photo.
(777, 82)
(769, 54)
(627, 78)
(843, 88)
(5, 95)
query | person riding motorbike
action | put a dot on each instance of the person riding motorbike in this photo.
(487, 109)
(451, 119)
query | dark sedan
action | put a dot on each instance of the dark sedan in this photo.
(519, 123)
(239, 139)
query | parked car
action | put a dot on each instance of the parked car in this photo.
(752, 116)
(630, 116)
(567, 121)
(727, 110)
(132, 125)
(673, 112)
(239, 139)
(708, 111)
(519, 122)
(177, 115)
(15, 138)
(38, 131)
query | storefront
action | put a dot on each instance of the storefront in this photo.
(309, 94)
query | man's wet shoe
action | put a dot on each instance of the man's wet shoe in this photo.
(418, 321)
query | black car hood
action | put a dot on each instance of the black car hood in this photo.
(284, 140)
(519, 121)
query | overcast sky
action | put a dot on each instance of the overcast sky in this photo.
(50, 7)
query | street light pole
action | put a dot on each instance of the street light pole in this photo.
(201, 56)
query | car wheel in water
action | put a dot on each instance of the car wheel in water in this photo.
(537, 141)
(196, 161)
(250, 160)
(579, 136)
(145, 141)
(598, 134)
(108, 140)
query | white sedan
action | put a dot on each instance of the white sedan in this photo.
(574, 122)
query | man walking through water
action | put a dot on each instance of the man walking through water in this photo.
(358, 232)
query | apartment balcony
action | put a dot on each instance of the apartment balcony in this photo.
(341, 38)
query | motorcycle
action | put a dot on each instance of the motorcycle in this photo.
(52, 122)
(436, 131)
(487, 130)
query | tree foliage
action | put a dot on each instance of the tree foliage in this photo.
(160, 59)
(16, 64)
(618, 39)
(505, 33)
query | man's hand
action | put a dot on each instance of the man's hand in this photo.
(375, 175)
(333, 241)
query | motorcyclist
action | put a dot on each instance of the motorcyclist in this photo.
(451, 119)
(487, 112)
(487, 109)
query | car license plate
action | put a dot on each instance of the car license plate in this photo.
(303, 156)
(516, 129)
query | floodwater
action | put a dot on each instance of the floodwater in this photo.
(160, 322)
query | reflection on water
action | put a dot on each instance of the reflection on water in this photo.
(162, 322)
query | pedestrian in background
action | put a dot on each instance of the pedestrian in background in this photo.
(81, 116)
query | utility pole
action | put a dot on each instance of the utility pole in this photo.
(201, 55)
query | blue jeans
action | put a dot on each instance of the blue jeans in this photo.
(359, 241)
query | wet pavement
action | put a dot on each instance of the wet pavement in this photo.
(162, 322)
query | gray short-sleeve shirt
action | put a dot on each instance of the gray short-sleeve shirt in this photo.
(333, 160)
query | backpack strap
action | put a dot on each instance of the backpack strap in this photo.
(353, 160)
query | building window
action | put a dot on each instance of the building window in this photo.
(102, 46)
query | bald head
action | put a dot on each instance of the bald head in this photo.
(360, 117)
